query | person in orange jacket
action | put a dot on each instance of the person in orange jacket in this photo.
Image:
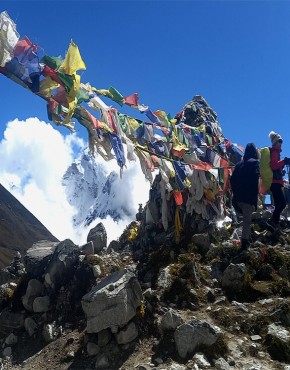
(277, 166)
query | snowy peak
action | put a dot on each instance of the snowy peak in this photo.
(92, 191)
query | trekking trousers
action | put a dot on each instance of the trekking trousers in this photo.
(279, 201)
(247, 210)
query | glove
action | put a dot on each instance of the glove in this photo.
(287, 161)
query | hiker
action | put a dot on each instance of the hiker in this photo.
(245, 188)
(277, 166)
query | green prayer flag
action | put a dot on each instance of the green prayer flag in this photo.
(116, 96)
(52, 62)
(67, 80)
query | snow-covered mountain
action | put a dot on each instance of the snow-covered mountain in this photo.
(93, 192)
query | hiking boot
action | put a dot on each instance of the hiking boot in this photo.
(272, 226)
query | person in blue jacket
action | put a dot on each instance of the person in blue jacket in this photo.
(245, 188)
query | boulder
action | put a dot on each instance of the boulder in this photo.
(60, 268)
(30, 326)
(234, 277)
(191, 334)
(170, 321)
(37, 257)
(113, 302)
(87, 249)
(98, 236)
(127, 334)
(278, 343)
(34, 289)
(202, 241)
(41, 304)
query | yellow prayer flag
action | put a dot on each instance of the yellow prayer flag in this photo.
(132, 123)
(73, 60)
(104, 92)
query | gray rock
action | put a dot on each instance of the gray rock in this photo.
(170, 321)
(30, 326)
(283, 271)
(191, 334)
(34, 289)
(177, 367)
(87, 248)
(37, 257)
(221, 364)
(70, 355)
(102, 362)
(255, 338)
(217, 269)
(60, 268)
(192, 269)
(7, 352)
(104, 337)
(113, 302)
(92, 349)
(97, 271)
(158, 361)
(278, 342)
(164, 278)
(233, 277)
(201, 361)
(202, 241)
(127, 334)
(98, 236)
(41, 304)
(114, 245)
(282, 314)
(48, 333)
(11, 339)
(241, 306)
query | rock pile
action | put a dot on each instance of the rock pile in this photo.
(200, 303)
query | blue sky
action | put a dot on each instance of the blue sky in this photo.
(236, 54)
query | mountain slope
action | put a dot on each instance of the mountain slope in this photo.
(19, 229)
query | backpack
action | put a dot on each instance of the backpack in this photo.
(266, 172)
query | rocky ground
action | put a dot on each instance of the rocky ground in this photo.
(206, 278)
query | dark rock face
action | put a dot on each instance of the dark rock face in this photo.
(60, 268)
(19, 229)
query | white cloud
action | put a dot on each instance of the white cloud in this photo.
(34, 157)
(131, 188)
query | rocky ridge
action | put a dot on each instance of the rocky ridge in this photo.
(147, 302)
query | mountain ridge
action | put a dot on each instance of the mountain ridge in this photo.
(19, 228)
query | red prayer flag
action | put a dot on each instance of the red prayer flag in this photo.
(178, 197)
(132, 99)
